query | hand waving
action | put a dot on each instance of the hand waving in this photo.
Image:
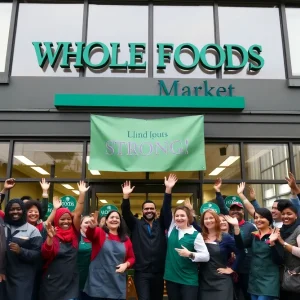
(127, 189)
(171, 181)
(56, 202)
(45, 185)
(252, 193)
(82, 187)
(274, 236)
(218, 185)
(9, 183)
(241, 188)
(50, 230)
(93, 221)
(291, 181)
(232, 221)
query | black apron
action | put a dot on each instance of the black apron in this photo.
(213, 285)
(61, 279)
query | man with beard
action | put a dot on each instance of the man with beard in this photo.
(236, 210)
(148, 237)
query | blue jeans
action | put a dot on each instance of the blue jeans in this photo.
(254, 297)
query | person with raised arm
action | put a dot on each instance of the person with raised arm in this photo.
(61, 279)
(149, 241)
(237, 211)
(8, 184)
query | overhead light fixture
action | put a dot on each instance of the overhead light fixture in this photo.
(216, 171)
(103, 201)
(40, 170)
(95, 172)
(87, 159)
(25, 160)
(180, 201)
(229, 161)
(76, 192)
(67, 186)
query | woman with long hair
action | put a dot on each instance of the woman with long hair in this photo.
(264, 269)
(23, 251)
(185, 248)
(112, 255)
(289, 238)
(215, 281)
(61, 279)
(84, 256)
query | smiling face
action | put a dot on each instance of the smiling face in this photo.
(276, 214)
(149, 211)
(261, 222)
(223, 224)
(84, 224)
(33, 215)
(181, 219)
(113, 221)
(209, 221)
(288, 216)
(65, 221)
(15, 212)
(236, 212)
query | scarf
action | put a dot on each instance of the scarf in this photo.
(7, 217)
(287, 230)
(242, 222)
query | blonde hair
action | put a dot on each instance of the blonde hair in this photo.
(217, 225)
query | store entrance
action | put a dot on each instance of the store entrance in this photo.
(111, 193)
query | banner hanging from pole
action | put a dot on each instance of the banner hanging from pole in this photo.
(138, 145)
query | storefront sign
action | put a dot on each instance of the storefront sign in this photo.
(106, 209)
(82, 53)
(209, 205)
(68, 202)
(231, 199)
(137, 145)
(49, 210)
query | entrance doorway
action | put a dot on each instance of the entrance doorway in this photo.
(111, 193)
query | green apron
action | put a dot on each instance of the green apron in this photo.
(83, 261)
(264, 273)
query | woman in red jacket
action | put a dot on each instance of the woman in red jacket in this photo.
(112, 255)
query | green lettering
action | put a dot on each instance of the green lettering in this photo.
(163, 88)
(136, 55)
(47, 55)
(87, 51)
(186, 91)
(230, 89)
(220, 90)
(114, 57)
(196, 89)
(162, 55)
(229, 53)
(67, 54)
(195, 54)
(254, 55)
(220, 52)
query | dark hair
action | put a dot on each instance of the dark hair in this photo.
(7, 217)
(279, 200)
(265, 213)
(25, 198)
(29, 204)
(284, 204)
(148, 201)
(187, 211)
(122, 232)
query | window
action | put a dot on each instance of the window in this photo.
(183, 24)
(29, 189)
(123, 25)
(5, 14)
(4, 149)
(296, 150)
(209, 194)
(222, 160)
(37, 160)
(51, 23)
(247, 26)
(293, 25)
(268, 162)
(180, 175)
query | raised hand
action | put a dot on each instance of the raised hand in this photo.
(241, 188)
(291, 181)
(274, 236)
(127, 189)
(82, 188)
(252, 193)
(232, 221)
(56, 202)
(50, 230)
(9, 183)
(93, 221)
(218, 185)
(45, 185)
(188, 204)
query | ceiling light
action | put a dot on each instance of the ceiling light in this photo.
(95, 172)
(67, 186)
(216, 171)
(180, 201)
(229, 161)
(103, 201)
(24, 160)
(40, 170)
(87, 159)
(76, 192)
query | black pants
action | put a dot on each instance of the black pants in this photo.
(285, 295)
(149, 286)
(178, 291)
(242, 287)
